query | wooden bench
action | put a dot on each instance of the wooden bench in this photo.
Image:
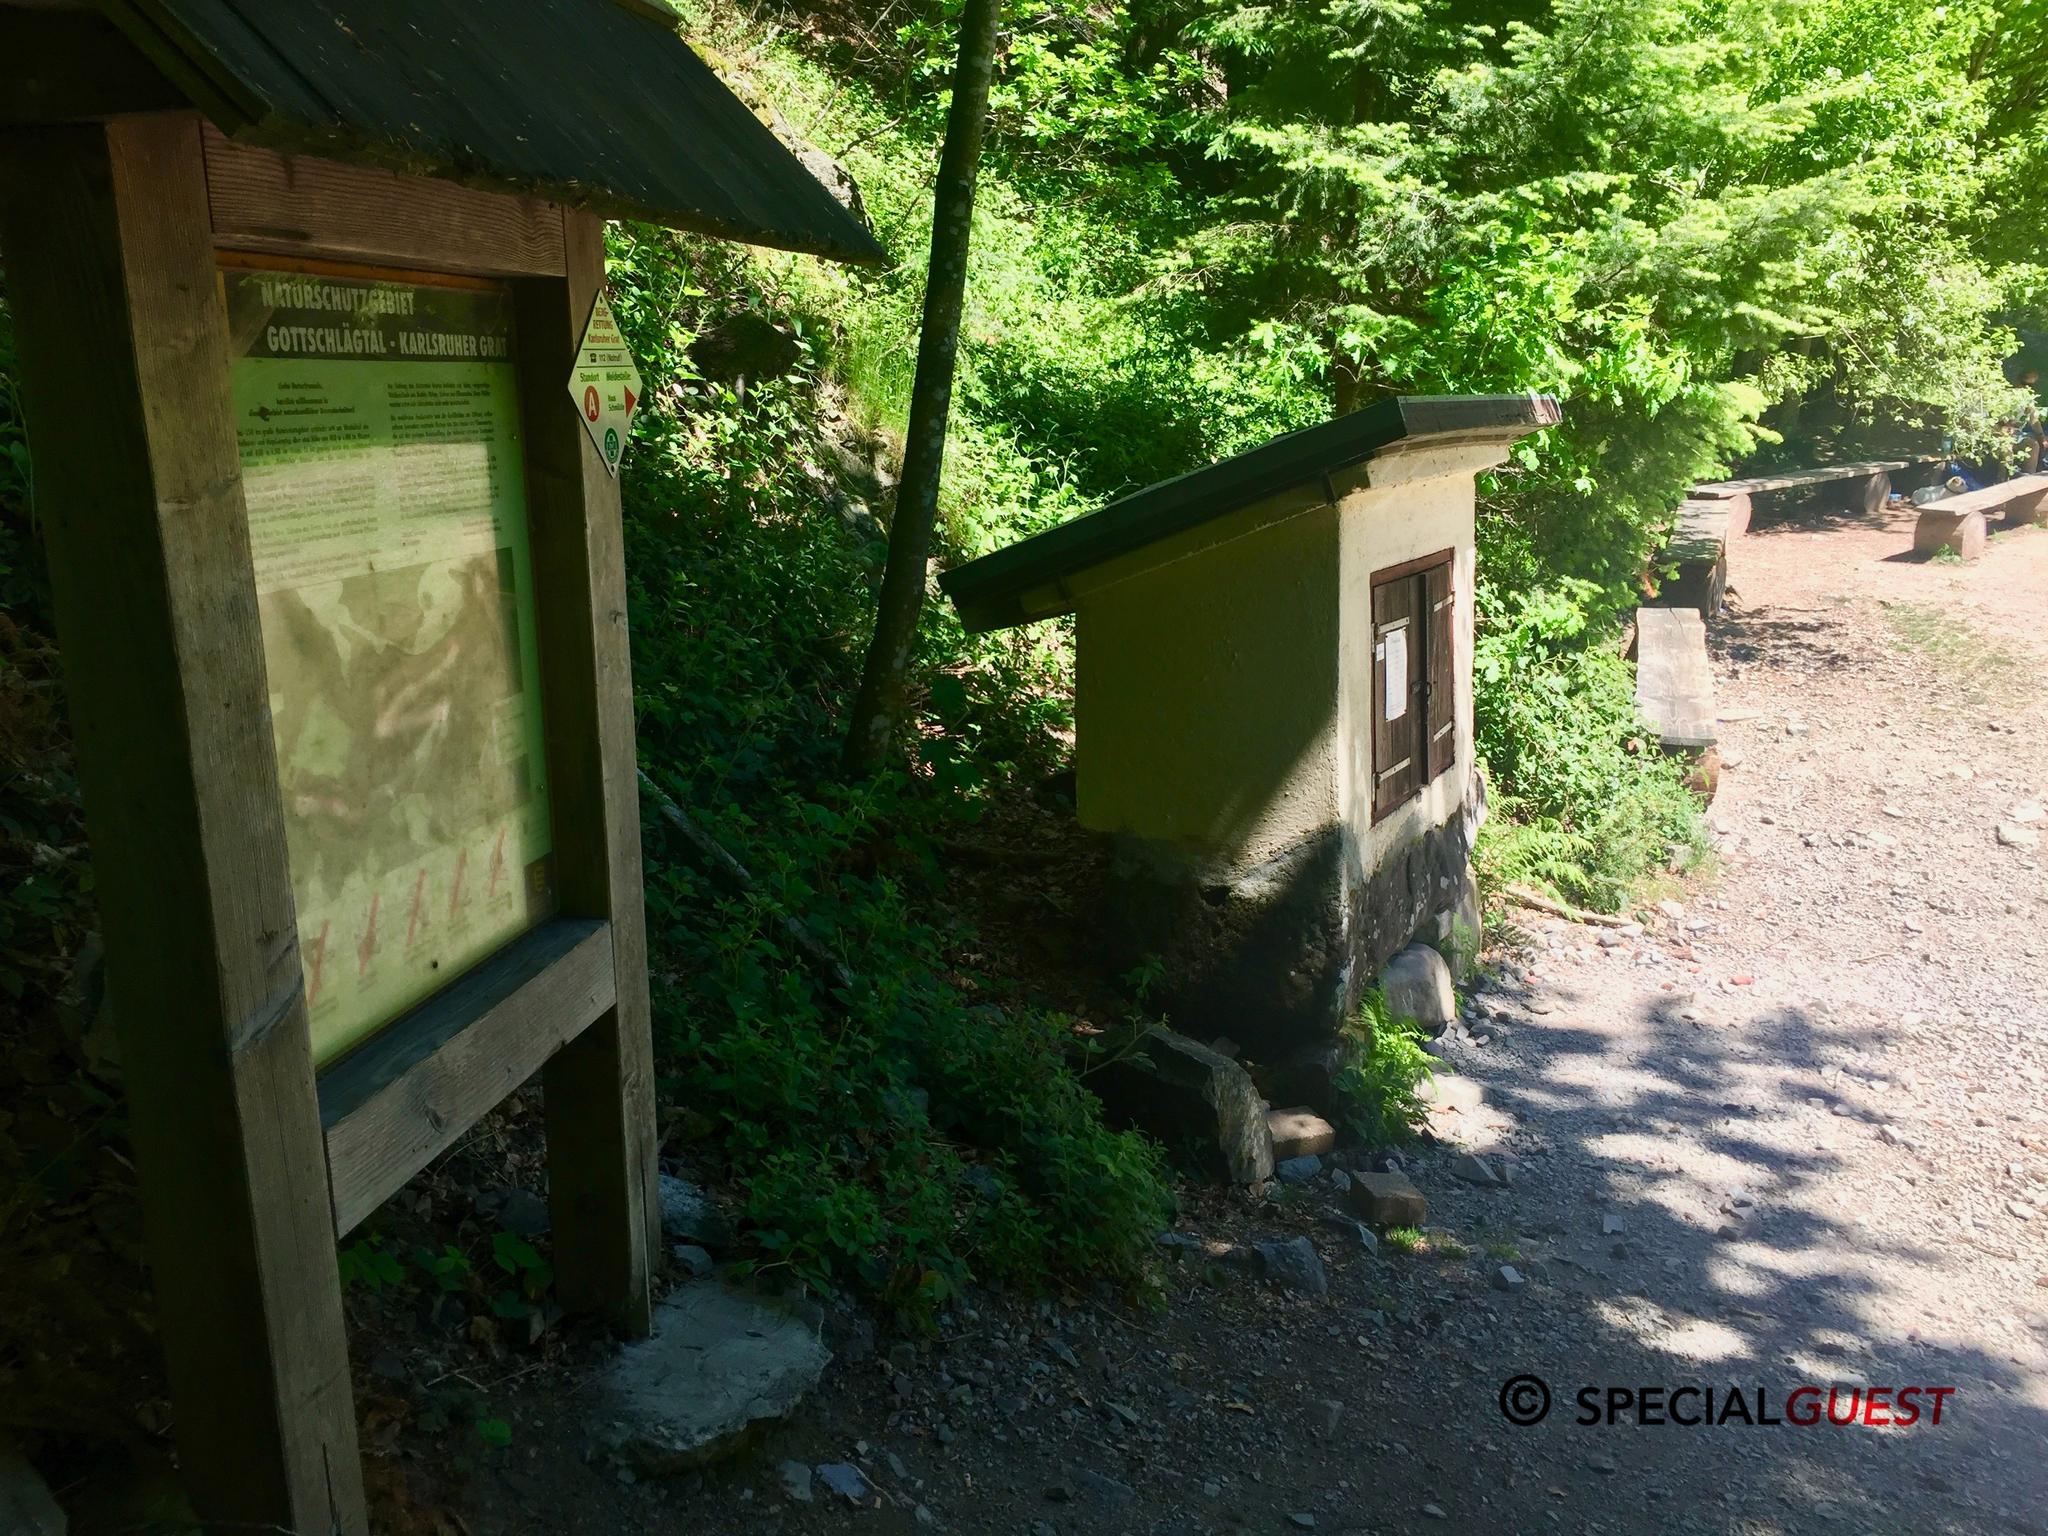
(1698, 546)
(1869, 484)
(1718, 513)
(1674, 682)
(1960, 522)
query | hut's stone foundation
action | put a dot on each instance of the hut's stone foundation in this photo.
(1276, 958)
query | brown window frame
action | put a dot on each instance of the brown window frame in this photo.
(1422, 744)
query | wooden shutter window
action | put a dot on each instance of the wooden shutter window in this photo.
(1397, 744)
(1414, 619)
(1441, 711)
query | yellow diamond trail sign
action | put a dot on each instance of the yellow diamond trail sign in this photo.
(605, 385)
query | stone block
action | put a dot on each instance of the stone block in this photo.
(721, 1364)
(1938, 530)
(1300, 1132)
(1388, 1200)
(1190, 1098)
(1417, 985)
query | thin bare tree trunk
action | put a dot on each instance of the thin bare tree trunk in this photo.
(878, 706)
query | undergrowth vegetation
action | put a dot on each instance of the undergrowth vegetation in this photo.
(908, 1131)
(1382, 1089)
(1583, 803)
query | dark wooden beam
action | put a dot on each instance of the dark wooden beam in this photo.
(302, 205)
(67, 66)
(124, 364)
(393, 1106)
(599, 1088)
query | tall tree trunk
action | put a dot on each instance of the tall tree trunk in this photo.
(879, 704)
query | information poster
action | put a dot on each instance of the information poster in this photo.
(1395, 647)
(379, 432)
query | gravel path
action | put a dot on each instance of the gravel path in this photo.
(1794, 1133)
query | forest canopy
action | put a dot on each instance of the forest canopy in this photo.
(1723, 234)
(1700, 224)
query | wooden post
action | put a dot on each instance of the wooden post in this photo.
(124, 358)
(599, 1088)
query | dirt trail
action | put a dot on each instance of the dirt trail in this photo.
(1812, 1102)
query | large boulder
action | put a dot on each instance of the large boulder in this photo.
(1417, 985)
(834, 177)
(26, 1505)
(1277, 955)
(745, 346)
(1193, 1099)
(1311, 1075)
(722, 1364)
(1461, 929)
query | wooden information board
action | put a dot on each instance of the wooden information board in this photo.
(327, 409)
(339, 578)
(378, 423)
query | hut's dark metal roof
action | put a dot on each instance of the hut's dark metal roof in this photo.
(989, 592)
(594, 103)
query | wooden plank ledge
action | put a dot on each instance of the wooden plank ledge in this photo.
(1674, 682)
(302, 205)
(1702, 530)
(1798, 479)
(1699, 548)
(406, 1096)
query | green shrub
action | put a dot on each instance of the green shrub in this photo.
(1381, 1093)
(1585, 801)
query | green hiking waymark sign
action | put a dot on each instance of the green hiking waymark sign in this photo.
(605, 385)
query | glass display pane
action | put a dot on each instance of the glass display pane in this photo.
(379, 432)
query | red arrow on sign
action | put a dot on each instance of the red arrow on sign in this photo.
(630, 399)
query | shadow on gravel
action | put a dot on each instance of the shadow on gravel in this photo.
(1782, 643)
(1737, 1269)
(1777, 522)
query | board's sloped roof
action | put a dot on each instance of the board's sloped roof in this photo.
(594, 103)
(989, 592)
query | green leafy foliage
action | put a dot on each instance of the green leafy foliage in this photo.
(1718, 234)
(903, 1135)
(1381, 1091)
(1585, 803)
(369, 1264)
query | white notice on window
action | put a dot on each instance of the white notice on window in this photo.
(1396, 646)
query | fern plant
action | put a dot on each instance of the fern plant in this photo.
(1381, 1089)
